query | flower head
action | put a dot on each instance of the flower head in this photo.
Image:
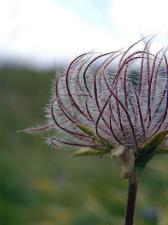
(113, 100)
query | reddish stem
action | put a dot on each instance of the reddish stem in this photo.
(131, 199)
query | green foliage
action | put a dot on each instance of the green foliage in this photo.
(40, 186)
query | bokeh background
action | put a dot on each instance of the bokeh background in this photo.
(42, 186)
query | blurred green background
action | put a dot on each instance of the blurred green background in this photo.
(42, 186)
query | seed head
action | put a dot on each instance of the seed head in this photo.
(105, 101)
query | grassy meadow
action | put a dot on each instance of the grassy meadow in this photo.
(43, 186)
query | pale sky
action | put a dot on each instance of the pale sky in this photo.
(45, 32)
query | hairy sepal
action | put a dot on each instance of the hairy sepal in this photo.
(161, 150)
(89, 131)
(90, 151)
(147, 150)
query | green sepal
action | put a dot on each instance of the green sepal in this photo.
(107, 144)
(90, 151)
(161, 150)
(89, 131)
(147, 150)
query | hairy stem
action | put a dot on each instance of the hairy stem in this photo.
(131, 198)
